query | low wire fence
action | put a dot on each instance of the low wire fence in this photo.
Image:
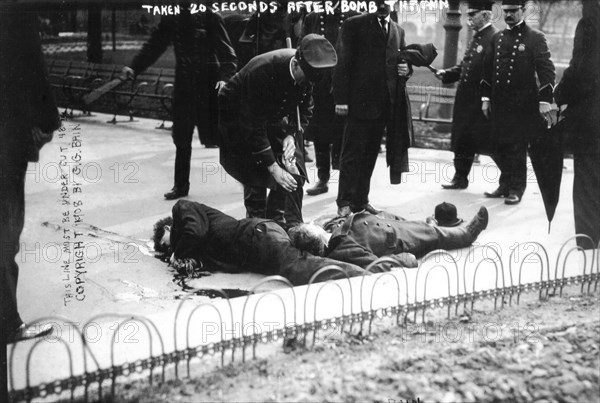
(300, 308)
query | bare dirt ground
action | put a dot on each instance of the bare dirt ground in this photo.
(536, 351)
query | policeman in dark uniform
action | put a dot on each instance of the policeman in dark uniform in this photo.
(518, 107)
(205, 60)
(261, 135)
(470, 129)
(200, 236)
(325, 128)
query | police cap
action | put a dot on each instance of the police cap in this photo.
(315, 54)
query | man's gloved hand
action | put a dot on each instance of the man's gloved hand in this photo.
(289, 147)
(127, 73)
(486, 108)
(439, 74)
(407, 259)
(282, 177)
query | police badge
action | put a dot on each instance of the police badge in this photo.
(521, 48)
(479, 49)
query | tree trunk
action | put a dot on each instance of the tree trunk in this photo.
(94, 36)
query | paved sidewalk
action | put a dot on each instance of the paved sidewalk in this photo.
(116, 196)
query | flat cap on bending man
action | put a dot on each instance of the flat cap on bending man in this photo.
(263, 110)
(222, 243)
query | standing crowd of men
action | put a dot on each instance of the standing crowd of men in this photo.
(358, 75)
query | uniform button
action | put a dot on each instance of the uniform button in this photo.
(364, 222)
(389, 225)
(512, 60)
(511, 67)
(508, 82)
(497, 82)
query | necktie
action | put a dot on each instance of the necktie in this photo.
(383, 25)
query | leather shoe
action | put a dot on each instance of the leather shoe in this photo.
(496, 194)
(366, 207)
(25, 332)
(176, 193)
(319, 188)
(512, 199)
(478, 223)
(456, 184)
(344, 211)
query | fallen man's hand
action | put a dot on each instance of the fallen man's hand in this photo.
(186, 265)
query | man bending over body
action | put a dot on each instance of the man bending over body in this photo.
(198, 235)
(361, 238)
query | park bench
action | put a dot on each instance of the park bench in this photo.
(429, 98)
(149, 95)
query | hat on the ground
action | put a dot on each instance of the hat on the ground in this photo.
(479, 5)
(445, 215)
(508, 4)
(315, 54)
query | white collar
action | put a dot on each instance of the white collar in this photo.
(514, 26)
(489, 24)
(387, 19)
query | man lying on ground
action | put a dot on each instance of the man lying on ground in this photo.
(361, 238)
(198, 236)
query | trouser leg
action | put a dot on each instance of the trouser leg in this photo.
(322, 155)
(255, 201)
(462, 165)
(12, 215)
(336, 142)
(512, 161)
(286, 207)
(360, 148)
(453, 237)
(586, 198)
(183, 130)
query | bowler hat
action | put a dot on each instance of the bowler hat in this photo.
(445, 215)
(479, 5)
(315, 53)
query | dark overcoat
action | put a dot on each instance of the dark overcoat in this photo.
(366, 79)
(225, 244)
(579, 88)
(519, 60)
(469, 125)
(257, 110)
(203, 54)
(363, 237)
(325, 126)
(26, 99)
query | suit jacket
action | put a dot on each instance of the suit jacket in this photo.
(257, 110)
(580, 89)
(366, 75)
(252, 244)
(26, 99)
(362, 238)
(203, 55)
(325, 126)
(366, 79)
(468, 122)
(519, 59)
